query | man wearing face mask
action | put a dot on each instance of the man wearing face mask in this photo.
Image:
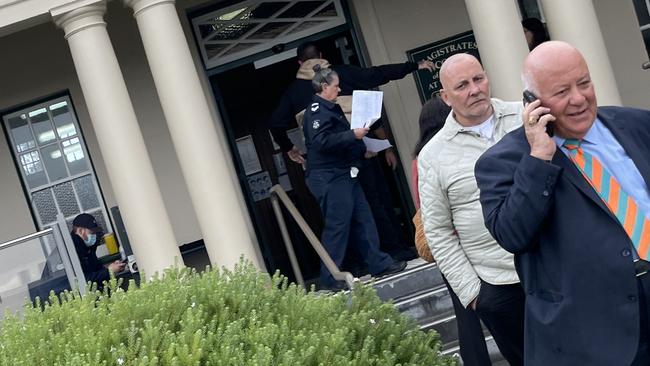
(84, 235)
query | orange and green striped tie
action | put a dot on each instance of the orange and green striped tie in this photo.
(636, 225)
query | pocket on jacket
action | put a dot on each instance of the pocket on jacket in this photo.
(548, 296)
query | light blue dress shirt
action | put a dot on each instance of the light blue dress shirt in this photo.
(600, 143)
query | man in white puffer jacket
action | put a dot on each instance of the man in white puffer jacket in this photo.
(479, 271)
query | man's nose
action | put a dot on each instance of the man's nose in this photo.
(576, 97)
(474, 89)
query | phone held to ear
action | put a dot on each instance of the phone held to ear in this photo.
(529, 97)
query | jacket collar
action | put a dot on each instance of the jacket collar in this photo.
(500, 110)
(324, 102)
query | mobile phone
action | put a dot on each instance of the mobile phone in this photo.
(530, 97)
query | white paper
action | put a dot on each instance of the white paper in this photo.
(376, 145)
(366, 108)
(298, 139)
(248, 155)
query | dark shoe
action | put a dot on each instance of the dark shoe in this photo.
(397, 266)
(333, 287)
(404, 254)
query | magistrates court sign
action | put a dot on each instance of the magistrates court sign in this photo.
(428, 83)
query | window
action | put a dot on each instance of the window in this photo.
(53, 162)
(253, 26)
(642, 8)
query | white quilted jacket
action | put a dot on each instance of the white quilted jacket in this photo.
(451, 212)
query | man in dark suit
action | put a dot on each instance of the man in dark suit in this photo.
(559, 204)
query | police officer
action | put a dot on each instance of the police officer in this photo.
(334, 154)
(298, 96)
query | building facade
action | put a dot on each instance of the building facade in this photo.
(158, 107)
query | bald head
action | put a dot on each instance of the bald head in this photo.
(558, 74)
(549, 57)
(466, 89)
(454, 63)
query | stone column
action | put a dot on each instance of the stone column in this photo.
(203, 157)
(119, 137)
(575, 22)
(501, 43)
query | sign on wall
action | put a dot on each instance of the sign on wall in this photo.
(428, 83)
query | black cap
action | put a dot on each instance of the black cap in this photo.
(86, 221)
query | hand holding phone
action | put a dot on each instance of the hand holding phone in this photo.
(529, 97)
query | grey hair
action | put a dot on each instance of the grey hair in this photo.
(322, 76)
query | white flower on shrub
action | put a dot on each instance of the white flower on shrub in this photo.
(120, 361)
(373, 321)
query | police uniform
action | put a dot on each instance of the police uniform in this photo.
(333, 158)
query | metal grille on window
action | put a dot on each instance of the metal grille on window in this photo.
(250, 27)
(53, 162)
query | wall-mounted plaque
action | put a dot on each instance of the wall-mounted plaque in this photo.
(428, 83)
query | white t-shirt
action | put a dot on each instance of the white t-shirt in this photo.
(485, 128)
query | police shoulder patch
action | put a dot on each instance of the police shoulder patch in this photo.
(316, 124)
(314, 107)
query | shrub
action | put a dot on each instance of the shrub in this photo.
(239, 317)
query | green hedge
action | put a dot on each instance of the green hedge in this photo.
(241, 317)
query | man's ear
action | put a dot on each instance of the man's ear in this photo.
(444, 97)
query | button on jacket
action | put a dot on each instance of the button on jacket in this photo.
(451, 212)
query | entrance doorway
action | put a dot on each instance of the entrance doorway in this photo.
(246, 98)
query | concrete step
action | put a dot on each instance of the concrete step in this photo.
(419, 293)
(427, 306)
(416, 278)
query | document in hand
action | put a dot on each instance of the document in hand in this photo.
(366, 108)
(376, 145)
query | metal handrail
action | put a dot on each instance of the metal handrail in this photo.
(277, 192)
(66, 249)
(26, 238)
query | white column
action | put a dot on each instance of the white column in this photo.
(204, 160)
(575, 22)
(119, 137)
(501, 43)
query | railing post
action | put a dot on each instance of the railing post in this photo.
(71, 252)
(287, 240)
(63, 253)
(311, 237)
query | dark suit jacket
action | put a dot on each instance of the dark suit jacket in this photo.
(571, 253)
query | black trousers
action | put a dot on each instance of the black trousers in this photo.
(471, 340)
(501, 308)
(643, 352)
(374, 186)
(347, 219)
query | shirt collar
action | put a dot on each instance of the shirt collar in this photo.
(590, 137)
(453, 128)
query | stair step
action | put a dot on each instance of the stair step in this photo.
(420, 293)
(427, 306)
(409, 281)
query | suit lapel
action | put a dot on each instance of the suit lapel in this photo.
(638, 154)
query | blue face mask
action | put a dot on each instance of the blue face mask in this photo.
(92, 238)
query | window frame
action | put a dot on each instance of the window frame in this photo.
(58, 141)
